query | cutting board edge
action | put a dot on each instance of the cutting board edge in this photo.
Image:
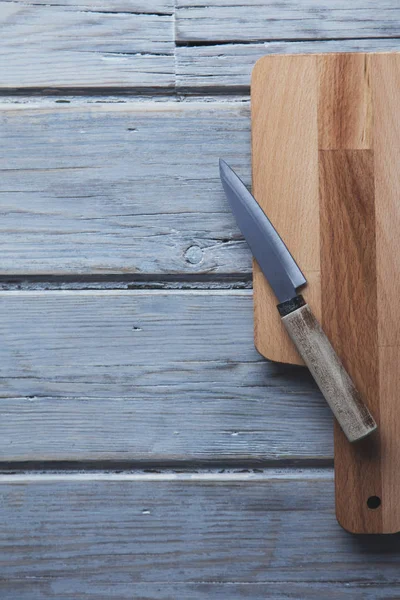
(262, 59)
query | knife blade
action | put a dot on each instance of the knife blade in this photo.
(285, 278)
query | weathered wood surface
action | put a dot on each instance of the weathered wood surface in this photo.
(132, 43)
(115, 588)
(251, 20)
(161, 7)
(148, 376)
(84, 534)
(131, 188)
(87, 44)
(229, 66)
(153, 379)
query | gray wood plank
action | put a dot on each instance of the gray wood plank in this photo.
(121, 188)
(222, 66)
(163, 7)
(83, 536)
(87, 44)
(149, 376)
(114, 588)
(252, 20)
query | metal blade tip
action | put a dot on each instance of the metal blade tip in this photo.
(228, 175)
(224, 168)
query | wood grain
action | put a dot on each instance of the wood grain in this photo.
(87, 44)
(251, 20)
(74, 587)
(149, 376)
(284, 118)
(124, 6)
(99, 533)
(344, 102)
(349, 300)
(387, 154)
(358, 152)
(128, 190)
(205, 67)
(386, 82)
(79, 380)
(367, 235)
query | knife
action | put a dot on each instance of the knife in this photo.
(285, 277)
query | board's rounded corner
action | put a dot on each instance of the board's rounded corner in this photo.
(262, 351)
(266, 354)
(257, 66)
(261, 60)
(345, 526)
(393, 532)
(360, 534)
(277, 57)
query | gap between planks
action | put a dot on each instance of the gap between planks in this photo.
(88, 282)
(252, 465)
(110, 103)
(118, 292)
(209, 476)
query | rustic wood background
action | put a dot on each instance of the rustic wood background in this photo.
(147, 450)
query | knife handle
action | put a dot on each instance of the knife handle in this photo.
(327, 369)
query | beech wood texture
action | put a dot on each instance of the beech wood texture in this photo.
(347, 152)
(332, 379)
(283, 142)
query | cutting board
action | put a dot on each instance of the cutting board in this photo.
(326, 170)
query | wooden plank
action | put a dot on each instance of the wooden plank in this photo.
(386, 79)
(84, 534)
(347, 190)
(219, 66)
(284, 140)
(344, 102)
(156, 376)
(347, 185)
(387, 153)
(106, 587)
(121, 188)
(227, 20)
(87, 44)
(163, 7)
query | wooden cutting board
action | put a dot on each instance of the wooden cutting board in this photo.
(326, 169)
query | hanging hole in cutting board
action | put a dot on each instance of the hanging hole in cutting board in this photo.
(373, 502)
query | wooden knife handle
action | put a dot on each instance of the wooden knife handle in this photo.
(327, 369)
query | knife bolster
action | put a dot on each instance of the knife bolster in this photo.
(287, 307)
